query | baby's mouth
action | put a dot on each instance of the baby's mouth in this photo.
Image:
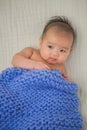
(52, 59)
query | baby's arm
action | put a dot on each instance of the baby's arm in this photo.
(23, 60)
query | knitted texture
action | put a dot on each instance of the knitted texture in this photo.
(38, 100)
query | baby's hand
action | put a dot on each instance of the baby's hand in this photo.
(66, 76)
(40, 65)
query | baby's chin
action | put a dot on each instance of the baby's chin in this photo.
(51, 63)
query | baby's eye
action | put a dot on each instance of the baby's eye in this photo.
(49, 46)
(63, 51)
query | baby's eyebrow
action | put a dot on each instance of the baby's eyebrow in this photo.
(50, 42)
(65, 48)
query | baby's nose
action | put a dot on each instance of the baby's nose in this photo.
(56, 53)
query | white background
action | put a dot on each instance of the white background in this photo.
(22, 22)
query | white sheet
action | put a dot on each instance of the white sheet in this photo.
(21, 24)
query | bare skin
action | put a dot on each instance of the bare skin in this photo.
(29, 58)
(54, 50)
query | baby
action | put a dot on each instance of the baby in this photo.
(56, 43)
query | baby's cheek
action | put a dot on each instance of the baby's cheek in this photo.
(62, 59)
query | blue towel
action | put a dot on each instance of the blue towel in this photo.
(38, 100)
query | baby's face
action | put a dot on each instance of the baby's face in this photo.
(55, 47)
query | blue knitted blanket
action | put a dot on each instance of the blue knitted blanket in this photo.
(38, 100)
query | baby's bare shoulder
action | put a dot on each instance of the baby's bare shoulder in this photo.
(27, 51)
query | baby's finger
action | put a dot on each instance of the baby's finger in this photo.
(47, 67)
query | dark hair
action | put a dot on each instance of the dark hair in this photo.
(61, 23)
